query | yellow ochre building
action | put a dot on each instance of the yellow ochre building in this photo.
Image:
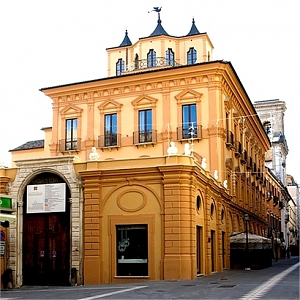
(148, 171)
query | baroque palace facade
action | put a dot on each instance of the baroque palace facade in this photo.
(159, 162)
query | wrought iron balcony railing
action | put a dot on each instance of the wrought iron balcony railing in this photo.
(145, 137)
(70, 145)
(158, 62)
(109, 140)
(186, 133)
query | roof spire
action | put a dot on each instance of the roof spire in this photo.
(159, 30)
(194, 30)
(126, 40)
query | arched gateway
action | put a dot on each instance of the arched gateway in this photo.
(46, 231)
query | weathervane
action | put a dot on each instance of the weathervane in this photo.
(157, 9)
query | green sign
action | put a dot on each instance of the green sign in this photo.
(5, 202)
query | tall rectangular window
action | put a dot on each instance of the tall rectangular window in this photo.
(71, 134)
(110, 130)
(189, 121)
(132, 250)
(145, 126)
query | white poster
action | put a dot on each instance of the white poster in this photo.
(43, 198)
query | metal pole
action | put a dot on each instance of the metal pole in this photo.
(247, 267)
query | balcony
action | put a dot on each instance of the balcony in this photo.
(69, 145)
(144, 137)
(109, 141)
(238, 149)
(229, 139)
(145, 65)
(187, 133)
(250, 163)
(244, 157)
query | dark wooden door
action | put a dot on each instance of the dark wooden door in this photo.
(46, 241)
(46, 249)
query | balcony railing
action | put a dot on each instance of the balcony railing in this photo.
(187, 133)
(69, 145)
(143, 64)
(109, 140)
(145, 137)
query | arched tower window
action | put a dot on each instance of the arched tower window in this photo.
(192, 56)
(169, 57)
(151, 58)
(120, 67)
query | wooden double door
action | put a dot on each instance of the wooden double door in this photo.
(46, 250)
(46, 241)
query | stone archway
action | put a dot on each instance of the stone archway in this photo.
(46, 235)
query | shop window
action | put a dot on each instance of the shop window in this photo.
(132, 250)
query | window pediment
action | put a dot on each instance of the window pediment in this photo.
(71, 110)
(188, 95)
(144, 101)
(110, 105)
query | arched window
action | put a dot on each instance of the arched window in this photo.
(169, 57)
(120, 67)
(151, 58)
(268, 127)
(191, 56)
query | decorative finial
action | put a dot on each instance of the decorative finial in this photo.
(158, 10)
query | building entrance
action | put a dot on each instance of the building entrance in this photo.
(46, 239)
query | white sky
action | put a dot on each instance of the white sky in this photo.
(47, 43)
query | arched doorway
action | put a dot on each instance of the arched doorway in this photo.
(46, 234)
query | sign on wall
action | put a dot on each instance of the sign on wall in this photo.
(46, 198)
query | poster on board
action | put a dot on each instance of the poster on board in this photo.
(46, 198)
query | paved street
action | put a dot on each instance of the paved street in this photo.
(281, 281)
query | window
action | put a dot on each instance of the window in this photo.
(169, 57)
(71, 134)
(189, 121)
(151, 58)
(132, 250)
(192, 56)
(110, 130)
(120, 67)
(145, 126)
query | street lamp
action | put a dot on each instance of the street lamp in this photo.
(247, 267)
